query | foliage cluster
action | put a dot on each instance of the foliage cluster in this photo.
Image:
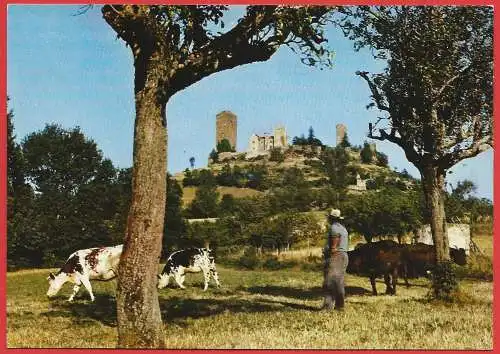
(310, 140)
(63, 195)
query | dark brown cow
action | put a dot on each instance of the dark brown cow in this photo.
(375, 259)
(420, 258)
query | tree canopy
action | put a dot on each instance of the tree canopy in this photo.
(436, 93)
(437, 88)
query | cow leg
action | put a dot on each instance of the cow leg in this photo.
(86, 284)
(75, 290)
(405, 275)
(213, 273)
(387, 280)
(163, 280)
(206, 277)
(374, 287)
(179, 279)
(394, 280)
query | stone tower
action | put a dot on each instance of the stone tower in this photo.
(226, 126)
(280, 138)
(341, 131)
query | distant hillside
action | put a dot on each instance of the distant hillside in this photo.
(307, 159)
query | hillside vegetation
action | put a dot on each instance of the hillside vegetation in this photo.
(272, 202)
(306, 159)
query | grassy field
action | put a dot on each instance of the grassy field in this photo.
(256, 309)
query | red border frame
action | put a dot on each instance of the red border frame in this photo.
(3, 158)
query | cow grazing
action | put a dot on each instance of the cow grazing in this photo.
(84, 265)
(383, 258)
(421, 258)
(191, 260)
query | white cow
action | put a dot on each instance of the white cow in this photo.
(83, 265)
(191, 260)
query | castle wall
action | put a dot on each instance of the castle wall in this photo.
(280, 138)
(226, 127)
(341, 131)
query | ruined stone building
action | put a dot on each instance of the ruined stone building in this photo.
(341, 132)
(266, 142)
(360, 185)
(226, 128)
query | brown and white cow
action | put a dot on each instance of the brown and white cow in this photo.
(190, 260)
(84, 265)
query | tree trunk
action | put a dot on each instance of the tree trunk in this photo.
(138, 310)
(444, 282)
(433, 185)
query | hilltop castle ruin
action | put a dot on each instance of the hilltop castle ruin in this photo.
(266, 142)
(226, 128)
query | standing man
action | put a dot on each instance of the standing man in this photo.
(335, 253)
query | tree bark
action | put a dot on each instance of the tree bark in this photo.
(138, 310)
(433, 183)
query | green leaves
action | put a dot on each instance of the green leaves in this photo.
(437, 87)
(80, 199)
(389, 211)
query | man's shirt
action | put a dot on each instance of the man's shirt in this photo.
(338, 230)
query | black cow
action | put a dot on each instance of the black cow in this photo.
(420, 258)
(190, 260)
(375, 259)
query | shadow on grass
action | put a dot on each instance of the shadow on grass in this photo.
(177, 310)
(102, 310)
(313, 293)
(180, 310)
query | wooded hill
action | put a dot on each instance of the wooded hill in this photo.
(309, 165)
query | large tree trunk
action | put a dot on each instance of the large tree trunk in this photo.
(433, 185)
(444, 282)
(139, 316)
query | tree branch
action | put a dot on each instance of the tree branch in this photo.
(438, 94)
(478, 146)
(379, 100)
(409, 150)
(228, 50)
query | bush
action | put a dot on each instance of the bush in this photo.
(224, 146)
(478, 266)
(313, 263)
(371, 184)
(382, 159)
(366, 154)
(249, 260)
(444, 281)
(277, 155)
(272, 263)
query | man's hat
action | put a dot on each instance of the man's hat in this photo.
(335, 213)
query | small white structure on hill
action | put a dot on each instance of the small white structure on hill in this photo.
(359, 186)
(458, 236)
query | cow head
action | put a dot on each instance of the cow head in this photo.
(56, 282)
(163, 280)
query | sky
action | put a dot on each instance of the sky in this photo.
(73, 71)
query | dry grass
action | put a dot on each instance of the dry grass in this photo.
(189, 193)
(301, 254)
(485, 243)
(256, 309)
